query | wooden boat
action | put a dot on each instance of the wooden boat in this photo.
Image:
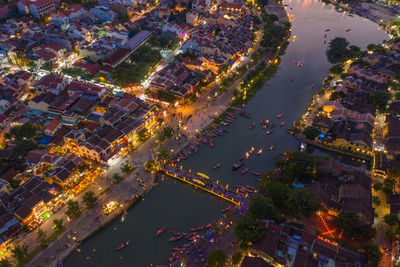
(269, 132)
(217, 166)
(195, 229)
(176, 237)
(198, 182)
(260, 152)
(171, 259)
(160, 231)
(125, 244)
(245, 170)
(237, 164)
(226, 209)
(252, 125)
(245, 114)
(326, 30)
(348, 30)
(255, 173)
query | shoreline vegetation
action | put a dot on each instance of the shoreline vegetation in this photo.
(253, 81)
(278, 41)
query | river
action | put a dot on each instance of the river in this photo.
(288, 92)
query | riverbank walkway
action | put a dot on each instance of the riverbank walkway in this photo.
(238, 197)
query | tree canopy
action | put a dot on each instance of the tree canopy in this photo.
(20, 252)
(216, 258)
(58, 225)
(380, 100)
(303, 202)
(297, 165)
(372, 254)
(73, 210)
(353, 227)
(249, 229)
(337, 50)
(311, 132)
(262, 208)
(89, 198)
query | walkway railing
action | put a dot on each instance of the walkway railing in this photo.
(185, 180)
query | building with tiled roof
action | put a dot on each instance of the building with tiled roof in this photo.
(37, 8)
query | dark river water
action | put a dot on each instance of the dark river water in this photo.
(288, 92)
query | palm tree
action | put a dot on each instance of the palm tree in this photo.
(19, 252)
(58, 225)
(89, 198)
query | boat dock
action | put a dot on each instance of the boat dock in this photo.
(221, 192)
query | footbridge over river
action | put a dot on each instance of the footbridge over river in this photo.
(239, 197)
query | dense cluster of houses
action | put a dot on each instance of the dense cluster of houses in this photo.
(289, 245)
(347, 122)
(79, 124)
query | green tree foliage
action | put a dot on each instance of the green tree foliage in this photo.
(117, 178)
(337, 50)
(20, 252)
(166, 96)
(73, 72)
(376, 200)
(397, 95)
(311, 132)
(41, 237)
(142, 135)
(390, 181)
(391, 219)
(58, 225)
(22, 132)
(297, 165)
(23, 147)
(262, 208)
(377, 186)
(127, 168)
(5, 262)
(278, 192)
(165, 133)
(142, 61)
(353, 227)
(149, 165)
(162, 154)
(73, 210)
(89, 199)
(336, 69)
(380, 100)
(121, 11)
(236, 258)
(216, 258)
(372, 254)
(249, 229)
(49, 66)
(302, 202)
(337, 95)
(273, 34)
